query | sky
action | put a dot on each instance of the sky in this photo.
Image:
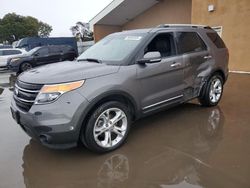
(60, 14)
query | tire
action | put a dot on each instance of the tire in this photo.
(25, 66)
(101, 134)
(212, 91)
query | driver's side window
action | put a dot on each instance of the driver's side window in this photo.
(163, 43)
(43, 52)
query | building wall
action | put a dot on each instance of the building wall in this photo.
(101, 31)
(166, 11)
(233, 16)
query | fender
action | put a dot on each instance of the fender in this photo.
(104, 95)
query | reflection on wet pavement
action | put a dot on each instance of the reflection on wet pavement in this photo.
(185, 147)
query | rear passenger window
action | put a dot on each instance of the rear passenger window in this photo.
(215, 38)
(189, 42)
(55, 50)
(11, 52)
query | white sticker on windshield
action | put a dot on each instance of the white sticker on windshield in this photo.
(133, 38)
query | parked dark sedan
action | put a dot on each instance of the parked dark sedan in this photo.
(41, 56)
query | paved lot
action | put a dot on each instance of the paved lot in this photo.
(188, 146)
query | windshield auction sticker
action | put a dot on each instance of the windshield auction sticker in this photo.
(133, 38)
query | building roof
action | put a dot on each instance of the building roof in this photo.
(119, 12)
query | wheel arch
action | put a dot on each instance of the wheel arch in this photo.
(119, 96)
(207, 78)
(221, 73)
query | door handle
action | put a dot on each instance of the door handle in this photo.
(207, 57)
(174, 65)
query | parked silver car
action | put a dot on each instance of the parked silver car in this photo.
(7, 53)
(120, 79)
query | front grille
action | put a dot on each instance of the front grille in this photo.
(25, 94)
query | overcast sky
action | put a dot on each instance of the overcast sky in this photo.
(60, 14)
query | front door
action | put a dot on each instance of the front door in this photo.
(161, 84)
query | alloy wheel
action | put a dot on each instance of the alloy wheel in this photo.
(26, 66)
(215, 90)
(110, 127)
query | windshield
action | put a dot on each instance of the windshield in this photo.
(21, 43)
(113, 48)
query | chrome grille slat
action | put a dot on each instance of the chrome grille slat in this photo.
(28, 86)
(23, 100)
(25, 94)
(26, 90)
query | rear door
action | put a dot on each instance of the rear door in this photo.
(161, 84)
(55, 53)
(42, 56)
(196, 57)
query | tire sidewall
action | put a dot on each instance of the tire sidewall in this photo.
(87, 136)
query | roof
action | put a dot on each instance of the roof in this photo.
(170, 27)
(119, 12)
(4, 49)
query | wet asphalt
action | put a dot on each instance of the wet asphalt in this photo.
(185, 147)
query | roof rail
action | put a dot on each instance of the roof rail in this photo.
(184, 25)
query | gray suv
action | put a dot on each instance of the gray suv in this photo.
(122, 78)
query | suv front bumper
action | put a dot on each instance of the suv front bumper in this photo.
(56, 125)
(13, 68)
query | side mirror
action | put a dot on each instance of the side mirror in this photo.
(36, 54)
(150, 57)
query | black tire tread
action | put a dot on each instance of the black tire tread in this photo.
(204, 95)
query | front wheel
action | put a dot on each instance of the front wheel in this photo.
(25, 66)
(212, 91)
(107, 128)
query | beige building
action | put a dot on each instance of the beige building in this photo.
(231, 18)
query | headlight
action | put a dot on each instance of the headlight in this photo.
(14, 60)
(50, 93)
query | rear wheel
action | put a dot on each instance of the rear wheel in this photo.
(212, 91)
(25, 66)
(107, 128)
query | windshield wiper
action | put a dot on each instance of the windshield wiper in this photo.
(90, 60)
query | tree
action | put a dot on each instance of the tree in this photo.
(14, 27)
(44, 29)
(82, 32)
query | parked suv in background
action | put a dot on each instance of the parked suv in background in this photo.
(123, 77)
(41, 56)
(7, 53)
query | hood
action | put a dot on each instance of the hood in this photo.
(21, 56)
(66, 72)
